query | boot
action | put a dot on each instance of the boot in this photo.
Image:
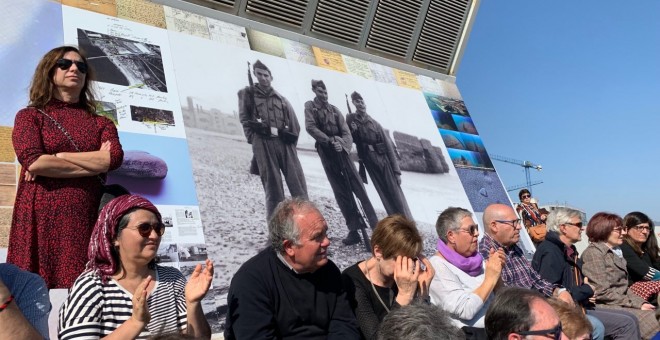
(352, 238)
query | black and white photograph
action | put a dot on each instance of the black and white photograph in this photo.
(234, 187)
(167, 254)
(192, 252)
(152, 116)
(122, 61)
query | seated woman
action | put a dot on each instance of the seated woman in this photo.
(465, 283)
(640, 249)
(123, 294)
(395, 274)
(605, 268)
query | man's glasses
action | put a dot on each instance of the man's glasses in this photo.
(145, 229)
(513, 223)
(526, 196)
(579, 224)
(554, 333)
(65, 64)
(641, 228)
(472, 230)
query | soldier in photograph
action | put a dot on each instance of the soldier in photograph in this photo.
(377, 155)
(271, 126)
(326, 124)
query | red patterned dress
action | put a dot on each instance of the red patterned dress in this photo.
(53, 217)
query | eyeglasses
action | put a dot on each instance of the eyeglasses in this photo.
(472, 230)
(619, 230)
(579, 224)
(555, 332)
(65, 64)
(526, 196)
(641, 228)
(513, 223)
(145, 229)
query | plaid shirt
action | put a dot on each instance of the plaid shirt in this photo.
(517, 271)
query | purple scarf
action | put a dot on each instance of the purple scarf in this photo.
(472, 265)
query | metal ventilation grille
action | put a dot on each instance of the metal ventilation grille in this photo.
(342, 20)
(290, 12)
(440, 33)
(228, 3)
(393, 26)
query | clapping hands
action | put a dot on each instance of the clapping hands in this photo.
(199, 283)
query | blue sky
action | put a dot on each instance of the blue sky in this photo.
(573, 86)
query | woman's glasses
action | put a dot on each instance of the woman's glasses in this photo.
(640, 228)
(145, 229)
(526, 196)
(472, 230)
(65, 64)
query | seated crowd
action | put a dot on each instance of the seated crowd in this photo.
(472, 287)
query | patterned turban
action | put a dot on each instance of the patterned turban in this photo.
(105, 231)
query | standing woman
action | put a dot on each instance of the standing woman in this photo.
(60, 183)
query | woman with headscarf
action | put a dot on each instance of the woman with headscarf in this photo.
(465, 282)
(65, 149)
(123, 293)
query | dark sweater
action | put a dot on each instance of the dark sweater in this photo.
(554, 265)
(364, 301)
(267, 300)
(638, 266)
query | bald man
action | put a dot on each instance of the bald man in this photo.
(503, 231)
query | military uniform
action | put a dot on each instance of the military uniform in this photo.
(376, 152)
(325, 123)
(272, 152)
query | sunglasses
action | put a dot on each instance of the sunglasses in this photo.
(579, 224)
(145, 229)
(65, 64)
(526, 196)
(554, 333)
(472, 230)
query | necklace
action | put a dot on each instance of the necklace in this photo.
(366, 267)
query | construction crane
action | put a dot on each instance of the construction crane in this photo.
(525, 164)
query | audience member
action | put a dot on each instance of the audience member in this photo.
(574, 324)
(392, 277)
(291, 290)
(503, 232)
(640, 249)
(65, 149)
(519, 313)
(123, 293)
(465, 282)
(533, 219)
(419, 321)
(604, 265)
(556, 260)
(24, 304)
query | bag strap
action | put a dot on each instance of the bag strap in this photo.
(75, 146)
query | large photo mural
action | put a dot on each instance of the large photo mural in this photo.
(219, 123)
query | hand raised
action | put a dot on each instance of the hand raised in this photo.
(200, 282)
(425, 277)
(140, 307)
(406, 274)
(495, 263)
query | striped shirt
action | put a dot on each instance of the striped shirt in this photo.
(94, 310)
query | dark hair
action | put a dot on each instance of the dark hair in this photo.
(396, 235)
(650, 246)
(600, 226)
(522, 192)
(172, 336)
(419, 321)
(42, 87)
(510, 312)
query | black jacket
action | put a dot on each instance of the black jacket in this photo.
(554, 265)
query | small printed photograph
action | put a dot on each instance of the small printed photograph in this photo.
(464, 158)
(453, 139)
(167, 253)
(473, 143)
(192, 252)
(444, 120)
(464, 124)
(168, 221)
(152, 116)
(449, 105)
(107, 110)
(122, 61)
